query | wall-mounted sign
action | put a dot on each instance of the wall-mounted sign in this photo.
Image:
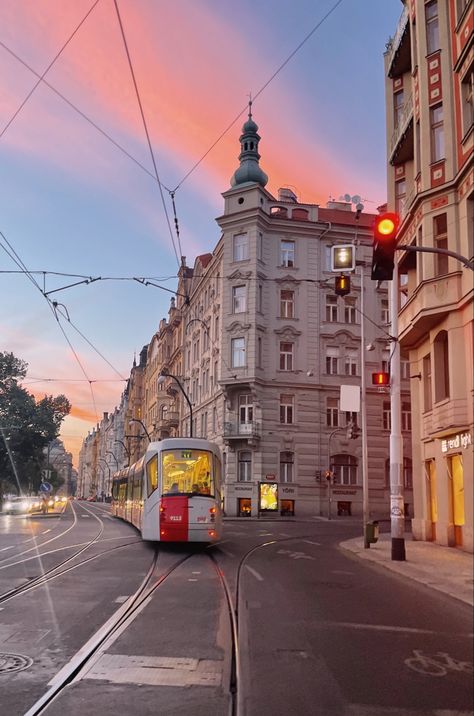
(247, 489)
(272, 478)
(461, 440)
(288, 491)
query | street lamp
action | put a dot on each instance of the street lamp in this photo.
(124, 447)
(166, 374)
(109, 452)
(101, 459)
(136, 420)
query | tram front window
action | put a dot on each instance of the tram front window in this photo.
(187, 472)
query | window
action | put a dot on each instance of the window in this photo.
(386, 417)
(350, 362)
(384, 312)
(245, 466)
(286, 466)
(432, 26)
(287, 303)
(345, 469)
(203, 425)
(286, 409)
(332, 412)
(407, 473)
(406, 416)
(440, 240)
(350, 310)
(238, 299)
(437, 133)
(332, 357)
(286, 356)
(259, 352)
(427, 399)
(260, 298)
(241, 247)
(216, 375)
(216, 329)
(441, 366)
(214, 420)
(238, 352)
(386, 361)
(331, 309)
(467, 94)
(260, 246)
(400, 195)
(351, 418)
(287, 253)
(404, 368)
(398, 100)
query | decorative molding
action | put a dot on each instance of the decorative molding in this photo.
(287, 279)
(287, 331)
(239, 274)
(237, 326)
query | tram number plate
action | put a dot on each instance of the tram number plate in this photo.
(201, 519)
(175, 518)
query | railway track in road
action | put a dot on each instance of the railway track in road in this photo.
(78, 667)
(61, 567)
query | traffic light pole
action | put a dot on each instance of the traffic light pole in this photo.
(397, 507)
(363, 411)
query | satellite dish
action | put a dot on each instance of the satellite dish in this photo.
(359, 207)
(347, 197)
(356, 199)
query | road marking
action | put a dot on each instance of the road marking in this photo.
(381, 627)
(121, 600)
(226, 552)
(254, 573)
(195, 572)
(85, 516)
(295, 555)
(191, 579)
(4, 549)
(308, 541)
(45, 532)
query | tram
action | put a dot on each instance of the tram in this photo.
(173, 493)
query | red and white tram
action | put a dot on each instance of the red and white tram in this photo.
(173, 493)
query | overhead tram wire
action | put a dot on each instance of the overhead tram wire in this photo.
(245, 109)
(18, 110)
(142, 113)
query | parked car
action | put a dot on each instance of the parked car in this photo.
(22, 505)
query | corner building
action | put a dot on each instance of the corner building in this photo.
(429, 69)
(269, 344)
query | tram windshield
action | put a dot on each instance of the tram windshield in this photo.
(187, 471)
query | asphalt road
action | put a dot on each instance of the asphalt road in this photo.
(320, 632)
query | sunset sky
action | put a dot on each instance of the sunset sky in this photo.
(72, 202)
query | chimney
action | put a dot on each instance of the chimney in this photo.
(286, 194)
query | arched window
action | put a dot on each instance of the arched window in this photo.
(345, 469)
(245, 466)
(279, 211)
(441, 366)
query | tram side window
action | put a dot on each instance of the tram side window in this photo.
(137, 485)
(130, 486)
(152, 474)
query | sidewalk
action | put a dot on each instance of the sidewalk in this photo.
(446, 569)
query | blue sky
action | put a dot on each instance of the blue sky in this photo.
(72, 202)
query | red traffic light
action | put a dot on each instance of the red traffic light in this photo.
(386, 226)
(380, 378)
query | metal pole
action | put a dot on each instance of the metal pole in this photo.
(329, 481)
(188, 402)
(397, 507)
(363, 411)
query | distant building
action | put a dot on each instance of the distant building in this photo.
(429, 69)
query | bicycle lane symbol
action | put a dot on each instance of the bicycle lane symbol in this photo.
(437, 665)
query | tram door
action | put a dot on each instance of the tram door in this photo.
(456, 475)
(431, 496)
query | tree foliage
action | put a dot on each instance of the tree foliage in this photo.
(26, 427)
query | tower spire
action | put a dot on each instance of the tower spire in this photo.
(249, 170)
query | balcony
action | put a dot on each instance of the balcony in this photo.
(399, 49)
(429, 304)
(250, 432)
(402, 145)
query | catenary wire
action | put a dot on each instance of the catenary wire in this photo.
(18, 110)
(259, 92)
(145, 126)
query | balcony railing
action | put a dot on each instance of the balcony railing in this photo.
(169, 419)
(397, 38)
(403, 121)
(242, 430)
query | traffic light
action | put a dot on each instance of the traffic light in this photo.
(343, 257)
(342, 285)
(380, 378)
(385, 243)
(352, 430)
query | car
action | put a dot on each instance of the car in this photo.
(23, 505)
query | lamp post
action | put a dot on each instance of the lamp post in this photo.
(125, 448)
(109, 452)
(109, 480)
(136, 420)
(166, 374)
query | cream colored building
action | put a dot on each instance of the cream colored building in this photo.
(429, 68)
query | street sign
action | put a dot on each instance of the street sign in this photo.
(45, 487)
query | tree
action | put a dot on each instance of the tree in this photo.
(26, 427)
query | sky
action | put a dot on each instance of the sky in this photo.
(78, 188)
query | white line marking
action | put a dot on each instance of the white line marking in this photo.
(121, 600)
(192, 580)
(44, 532)
(308, 541)
(377, 627)
(226, 552)
(254, 572)
(4, 549)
